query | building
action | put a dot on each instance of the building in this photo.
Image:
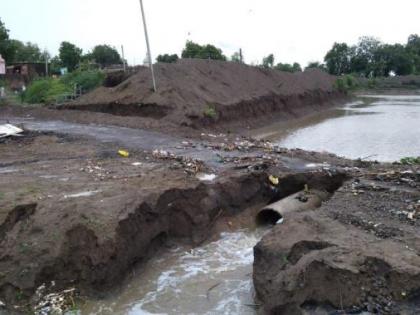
(2, 66)
(20, 74)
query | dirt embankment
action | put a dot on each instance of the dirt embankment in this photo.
(200, 93)
(359, 252)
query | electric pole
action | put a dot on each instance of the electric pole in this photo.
(123, 58)
(148, 45)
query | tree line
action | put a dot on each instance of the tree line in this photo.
(70, 56)
(372, 58)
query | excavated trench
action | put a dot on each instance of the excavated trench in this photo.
(184, 219)
(221, 268)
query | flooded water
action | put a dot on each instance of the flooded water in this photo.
(212, 279)
(375, 127)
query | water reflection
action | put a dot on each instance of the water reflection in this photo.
(383, 128)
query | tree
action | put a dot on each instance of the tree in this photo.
(363, 56)
(105, 55)
(268, 62)
(193, 50)
(237, 57)
(315, 65)
(393, 58)
(166, 58)
(287, 67)
(28, 52)
(70, 55)
(413, 48)
(338, 58)
(6, 50)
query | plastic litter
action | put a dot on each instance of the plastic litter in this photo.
(8, 130)
(124, 153)
(273, 180)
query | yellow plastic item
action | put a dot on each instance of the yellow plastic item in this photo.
(273, 180)
(124, 153)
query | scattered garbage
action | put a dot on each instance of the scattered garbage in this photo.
(137, 163)
(124, 153)
(82, 194)
(54, 303)
(206, 177)
(190, 165)
(273, 180)
(8, 130)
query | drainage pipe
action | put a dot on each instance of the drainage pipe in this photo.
(300, 201)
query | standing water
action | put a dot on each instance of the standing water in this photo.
(215, 278)
(375, 127)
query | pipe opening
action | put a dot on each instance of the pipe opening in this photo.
(268, 217)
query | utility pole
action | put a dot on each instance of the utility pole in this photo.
(46, 62)
(123, 58)
(148, 45)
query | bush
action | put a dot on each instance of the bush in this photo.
(87, 80)
(210, 112)
(346, 83)
(45, 91)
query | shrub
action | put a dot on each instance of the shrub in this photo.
(45, 91)
(210, 112)
(346, 83)
(87, 80)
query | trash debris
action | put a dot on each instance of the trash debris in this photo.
(206, 177)
(136, 163)
(273, 180)
(82, 194)
(124, 153)
(8, 130)
(55, 303)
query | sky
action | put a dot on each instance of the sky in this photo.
(293, 30)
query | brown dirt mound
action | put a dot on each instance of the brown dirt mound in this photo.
(189, 88)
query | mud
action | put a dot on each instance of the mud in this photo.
(200, 93)
(358, 252)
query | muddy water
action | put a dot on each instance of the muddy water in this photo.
(215, 278)
(376, 127)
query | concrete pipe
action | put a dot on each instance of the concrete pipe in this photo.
(301, 201)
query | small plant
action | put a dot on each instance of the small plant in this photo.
(346, 83)
(210, 112)
(410, 160)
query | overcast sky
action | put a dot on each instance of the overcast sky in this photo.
(294, 30)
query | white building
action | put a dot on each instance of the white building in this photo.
(2, 66)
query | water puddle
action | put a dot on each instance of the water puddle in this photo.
(212, 279)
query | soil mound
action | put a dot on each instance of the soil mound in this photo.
(202, 90)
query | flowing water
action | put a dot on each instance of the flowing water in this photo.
(375, 127)
(215, 278)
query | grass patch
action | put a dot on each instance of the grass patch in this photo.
(210, 112)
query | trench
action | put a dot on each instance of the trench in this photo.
(213, 278)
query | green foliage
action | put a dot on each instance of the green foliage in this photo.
(287, 67)
(410, 160)
(237, 57)
(167, 58)
(210, 112)
(26, 52)
(346, 83)
(105, 55)
(315, 65)
(194, 50)
(268, 62)
(45, 91)
(337, 59)
(6, 49)
(70, 55)
(87, 80)
(48, 90)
